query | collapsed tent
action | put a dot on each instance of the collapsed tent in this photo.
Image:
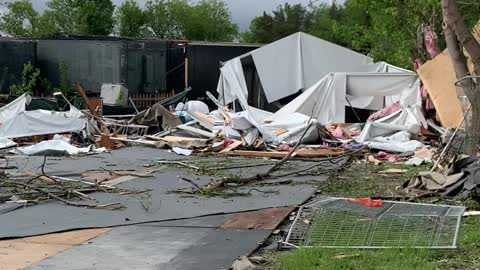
(16, 121)
(331, 77)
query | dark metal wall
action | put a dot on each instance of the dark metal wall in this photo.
(140, 65)
(13, 56)
(204, 65)
(146, 66)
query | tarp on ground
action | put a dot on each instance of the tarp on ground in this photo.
(16, 121)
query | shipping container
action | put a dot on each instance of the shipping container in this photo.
(14, 54)
(92, 61)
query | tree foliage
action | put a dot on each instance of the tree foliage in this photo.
(82, 17)
(23, 21)
(386, 29)
(180, 19)
(164, 19)
(130, 20)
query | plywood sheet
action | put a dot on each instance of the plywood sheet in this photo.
(266, 219)
(438, 76)
(22, 253)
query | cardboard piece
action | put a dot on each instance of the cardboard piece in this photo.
(439, 77)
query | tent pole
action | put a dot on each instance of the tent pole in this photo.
(354, 111)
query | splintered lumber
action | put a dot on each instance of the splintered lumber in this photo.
(280, 132)
(86, 100)
(173, 139)
(299, 154)
(232, 146)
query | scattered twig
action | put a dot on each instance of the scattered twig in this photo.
(67, 202)
(197, 187)
(179, 163)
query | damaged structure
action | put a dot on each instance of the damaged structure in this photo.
(279, 126)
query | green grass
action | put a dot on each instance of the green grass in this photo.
(362, 181)
(310, 259)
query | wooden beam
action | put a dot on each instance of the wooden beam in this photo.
(299, 154)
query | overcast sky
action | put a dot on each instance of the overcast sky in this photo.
(243, 11)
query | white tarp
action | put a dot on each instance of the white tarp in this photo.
(399, 142)
(326, 100)
(6, 143)
(57, 146)
(16, 122)
(299, 61)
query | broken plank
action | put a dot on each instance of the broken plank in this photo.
(299, 154)
(173, 139)
(232, 146)
(280, 132)
(143, 142)
(197, 131)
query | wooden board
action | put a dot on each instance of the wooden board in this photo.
(232, 146)
(439, 77)
(266, 219)
(299, 154)
(25, 252)
(280, 132)
(173, 139)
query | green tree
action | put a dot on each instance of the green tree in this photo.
(211, 20)
(180, 19)
(83, 17)
(386, 29)
(285, 20)
(130, 20)
(167, 19)
(261, 29)
(22, 21)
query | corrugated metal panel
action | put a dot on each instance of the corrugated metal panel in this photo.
(140, 65)
(146, 66)
(204, 65)
(89, 62)
(13, 56)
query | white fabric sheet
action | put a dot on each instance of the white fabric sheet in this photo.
(16, 122)
(327, 98)
(397, 143)
(51, 148)
(299, 61)
(14, 108)
(6, 143)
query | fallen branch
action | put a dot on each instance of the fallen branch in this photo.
(193, 184)
(67, 202)
(179, 163)
(261, 176)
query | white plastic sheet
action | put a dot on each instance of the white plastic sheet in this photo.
(398, 143)
(327, 99)
(6, 143)
(300, 60)
(54, 147)
(16, 122)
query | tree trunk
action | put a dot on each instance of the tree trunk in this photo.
(453, 18)
(456, 34)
